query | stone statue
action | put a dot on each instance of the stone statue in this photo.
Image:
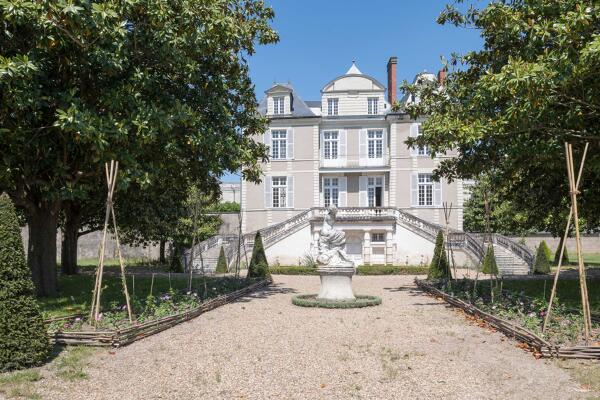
(332, 242)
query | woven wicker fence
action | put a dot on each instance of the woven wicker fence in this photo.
(512, 330)
(122, 337)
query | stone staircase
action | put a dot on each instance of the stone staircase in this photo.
(512, 257)
(508, 263)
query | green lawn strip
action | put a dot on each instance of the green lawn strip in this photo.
(360, 270)
(75, 291)
(70, 365)
(17, 385)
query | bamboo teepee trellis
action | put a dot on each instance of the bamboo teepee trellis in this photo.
(111, 180)
(574, 185)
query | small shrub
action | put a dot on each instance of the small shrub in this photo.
(222, 262)
(542, 264)
(259, 267)
(309, 261)
(489, 265)
(439, 267)
(546, 249)
(23, 339)
(565, 258)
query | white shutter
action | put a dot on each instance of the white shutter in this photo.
(321, 149)
(268, 142)
(385, 146)
(343, 140)
(414, 190)
(362, 187)
(268, 192)
(437, 194)
(289, 196)
(414, 132)
(362, 145)
(343, 191)
(290, 144)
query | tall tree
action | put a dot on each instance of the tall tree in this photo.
(163, 87)
(509, 107)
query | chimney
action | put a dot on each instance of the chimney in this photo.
(442, 76)
(391, 75)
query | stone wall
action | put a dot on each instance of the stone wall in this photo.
(589, 243)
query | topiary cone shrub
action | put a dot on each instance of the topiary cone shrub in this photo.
(565, 258)
(24, 341)
(222, 262)
(489, 265)
(546, 249)
(542, 264)
(259, 267)
(439, 267)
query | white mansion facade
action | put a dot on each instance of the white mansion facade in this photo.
(348, 149)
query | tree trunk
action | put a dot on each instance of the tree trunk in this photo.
(41, 249)
(70, 236)
(162, 258)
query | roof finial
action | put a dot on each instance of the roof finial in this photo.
(353, 69)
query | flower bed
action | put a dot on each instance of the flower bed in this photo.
(520, 317)
(154, 314)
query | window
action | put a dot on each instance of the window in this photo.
(375, 143)
(422, 150)
(375, 191)
(330, 145)
(378, 237)
(279, 188)
(425, 190)
(372, 105)
(279, 144)
(331, 191)
(278, 103)
(332, 106)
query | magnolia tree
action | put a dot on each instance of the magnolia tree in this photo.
(163, 87)
(509, 107)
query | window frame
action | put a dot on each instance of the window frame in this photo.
(278, 105)
(333, 143)
(425, 190)
(279, 187)
(372, 105)
(333, 106)
(331, 191)
(279, 143)
(375, 144)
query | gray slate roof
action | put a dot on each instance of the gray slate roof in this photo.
(299, 107)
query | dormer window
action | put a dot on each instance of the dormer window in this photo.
(372, 105)
(332, 106)
(278, 105)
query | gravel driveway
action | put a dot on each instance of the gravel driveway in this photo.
(262, 347)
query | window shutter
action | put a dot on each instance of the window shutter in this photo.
(268, 142)
(362, 144)
(289, 196)
(342, 191)
(321, 149)
(268, 192)
(343, 139)
(414, 132)
(414, 190)
(362, 187)
(385, 146)
(437, 194)
(290, 144)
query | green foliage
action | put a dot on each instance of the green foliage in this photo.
(391, 270)
(225, 206)
(311, 300)
(439, 267)
(222, 262)
(544, 245)
(508, 107)
(542, 263)
(259, 267)
(23, 339)
(489, 265)
(165, 90)
(309, 261)
(565, 258)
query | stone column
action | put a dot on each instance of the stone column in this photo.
(389, 247)
(367, 247)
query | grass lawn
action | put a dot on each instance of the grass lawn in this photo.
(75, 291)
(567, 291)
(590, 259)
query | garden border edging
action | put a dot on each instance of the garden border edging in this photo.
(123, 337)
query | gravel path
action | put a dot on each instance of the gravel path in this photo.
(262, 347)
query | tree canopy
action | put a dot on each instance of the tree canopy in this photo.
(163, 87)
(509, 107)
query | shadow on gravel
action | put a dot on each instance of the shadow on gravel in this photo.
(401, 289)
(267, 292)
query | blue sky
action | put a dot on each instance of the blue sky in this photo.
(319, 40)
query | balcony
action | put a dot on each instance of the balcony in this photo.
(355, 163)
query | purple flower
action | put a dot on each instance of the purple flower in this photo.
(77, 319)
(99, 317)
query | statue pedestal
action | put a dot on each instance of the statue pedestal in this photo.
(336, 283)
